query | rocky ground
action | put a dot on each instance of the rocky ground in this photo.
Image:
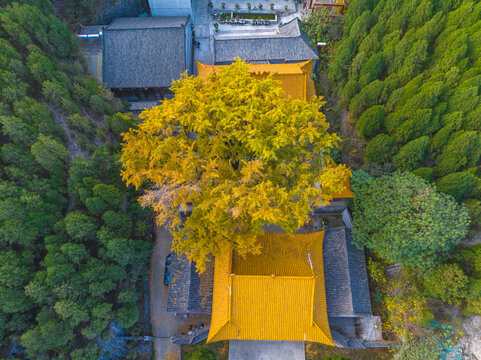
(469, 346)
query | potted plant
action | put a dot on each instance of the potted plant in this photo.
(223, 5)
(216, 26)
(249, 6)
(286, 7)
(272, 6)
(236, 6)
(210, 5)
(261, 6)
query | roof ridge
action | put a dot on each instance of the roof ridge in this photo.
(273, 277)
(348, 267)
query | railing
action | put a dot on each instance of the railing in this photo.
(193, 337)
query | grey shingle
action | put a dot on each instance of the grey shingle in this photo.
(361, 300)
(347, 288)
(289, 45)
(336, 273)
(144, 52)
(179, 284)
(346, 284)
(189, 291)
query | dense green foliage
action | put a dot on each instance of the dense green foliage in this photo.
(446, 282)
(319, 26)
(426, 348)
(404, 219)
(200, 354)
(73, 240)
(419, 62)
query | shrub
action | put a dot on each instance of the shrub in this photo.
(371, 69)
(96, 205)
(472, 307)
(470, 259)
(109, 194)
(380, 149)
(440, 139)
(336, 357)
(350, 89)
(447, 282)
(368, 97)
(79, 226)
(120, 123)
(474, 209)
(425, 348)
(456, 184)
(127, 315)
(370, 121)
(118, 222)
(81, 124)
(51, 154)
(404, 219)
(54, 92)
(98, 104)
(411, 154)
(425, 173)
(82, 142)
(200, 354)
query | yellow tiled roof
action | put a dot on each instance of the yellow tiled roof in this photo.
(347, 193)
(278, 295)
(295, 77)
(280, 255)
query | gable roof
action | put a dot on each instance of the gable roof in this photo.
(345, 274)
(295, 78)
(287, 45)
(144, 52)
(189, 292)
(289, 304)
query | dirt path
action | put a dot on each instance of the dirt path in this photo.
(165, 324)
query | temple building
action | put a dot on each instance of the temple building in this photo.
(141, 56)
(276, 295)
(309, 286)
(295, 78)
(274, 45)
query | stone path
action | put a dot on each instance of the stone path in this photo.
(165, 324)
(266, 350)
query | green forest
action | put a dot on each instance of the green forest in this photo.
(74, 242)
(410, 73)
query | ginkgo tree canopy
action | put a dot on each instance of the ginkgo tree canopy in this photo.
(240, 153)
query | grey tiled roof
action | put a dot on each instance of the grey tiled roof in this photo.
(346, 284)
(188, 290)
(144, 52)
(290, 45)
(347, 288)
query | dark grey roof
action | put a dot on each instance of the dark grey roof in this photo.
(155, 22)
(289, 45)
(144, 52)
(346, 283)
(188, 290)
(347, 288)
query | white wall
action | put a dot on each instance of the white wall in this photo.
(188, 47)
(170, 7)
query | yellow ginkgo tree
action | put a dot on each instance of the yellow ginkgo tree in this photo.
(239, 154)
